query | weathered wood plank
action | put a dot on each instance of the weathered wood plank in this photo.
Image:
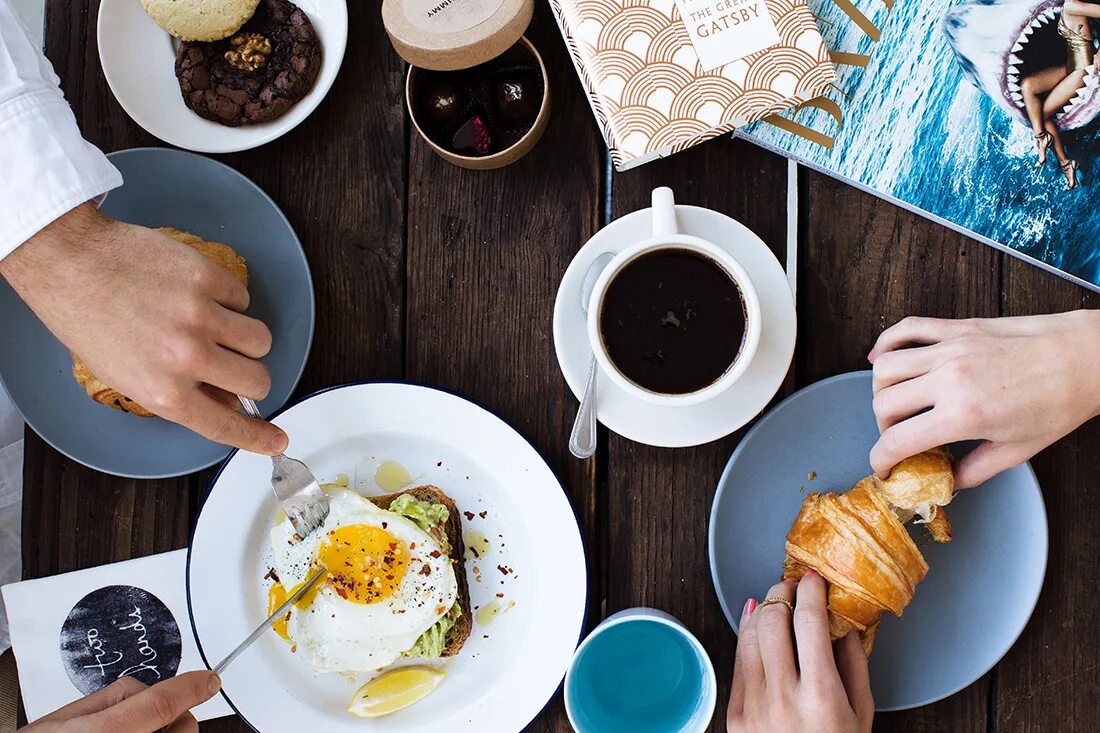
(340, 179)
(486, 251)
(658, 500)
(1049, 679)
(867, 264)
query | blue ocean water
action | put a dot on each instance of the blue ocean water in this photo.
(640, 676)
(916, 129)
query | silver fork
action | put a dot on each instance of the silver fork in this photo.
(294, 485)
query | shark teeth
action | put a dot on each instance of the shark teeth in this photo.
(1012, 71)
(1012, 80)
(1084, 94)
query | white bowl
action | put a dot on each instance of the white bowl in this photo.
(139, 59)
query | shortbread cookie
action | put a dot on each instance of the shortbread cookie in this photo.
(200, 20)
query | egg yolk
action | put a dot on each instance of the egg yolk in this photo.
(365, 563)
(276, 596)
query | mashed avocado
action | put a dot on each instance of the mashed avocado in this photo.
(429, 516)
(431, 642)
(425, 514)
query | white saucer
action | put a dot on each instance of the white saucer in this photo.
(677, 427)
(139, 59)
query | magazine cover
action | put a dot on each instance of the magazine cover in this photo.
(977, 113)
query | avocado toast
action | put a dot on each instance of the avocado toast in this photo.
(448, 533)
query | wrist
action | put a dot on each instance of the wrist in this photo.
(41, 262)
(1085, 345)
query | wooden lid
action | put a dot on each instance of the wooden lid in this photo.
(446, 35)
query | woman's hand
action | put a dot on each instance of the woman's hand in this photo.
(1019, 384)
(152, 318)
(127, 706)
(785, 683)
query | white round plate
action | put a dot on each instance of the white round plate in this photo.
(507, 670)
(139, 62)
(676, 427)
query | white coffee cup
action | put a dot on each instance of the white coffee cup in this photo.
(666, 235)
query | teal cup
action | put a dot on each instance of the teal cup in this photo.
(640, 671)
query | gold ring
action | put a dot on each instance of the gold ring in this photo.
(776, 599)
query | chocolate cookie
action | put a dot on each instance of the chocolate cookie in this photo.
(255, 75)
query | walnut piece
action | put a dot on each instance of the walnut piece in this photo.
(249, 51)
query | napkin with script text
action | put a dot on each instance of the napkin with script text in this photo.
(663, 75)
(78, 632)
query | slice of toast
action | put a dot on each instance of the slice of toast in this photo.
(458, 634)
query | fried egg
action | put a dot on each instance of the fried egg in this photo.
(389, 581)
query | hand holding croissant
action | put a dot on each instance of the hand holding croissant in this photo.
(858, 543)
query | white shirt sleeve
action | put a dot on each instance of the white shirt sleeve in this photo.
(46, 166)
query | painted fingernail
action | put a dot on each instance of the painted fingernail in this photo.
(279, 443)
(809, 572)
(214, 684)
(871, 356)
(750, 606)
(792, 581)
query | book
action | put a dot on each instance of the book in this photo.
(929, 111)
(663, 75)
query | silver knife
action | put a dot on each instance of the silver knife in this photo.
(270, 620)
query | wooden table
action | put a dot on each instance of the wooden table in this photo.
(427, 272)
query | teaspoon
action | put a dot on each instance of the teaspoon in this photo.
(582, 441)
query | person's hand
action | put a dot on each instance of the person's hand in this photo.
(797, 683)
(1019, 384)
(152, 318)
(127, 706)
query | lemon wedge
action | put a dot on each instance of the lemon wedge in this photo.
(394, 690)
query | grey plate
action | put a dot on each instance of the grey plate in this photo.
(980, 590)
(166, 188)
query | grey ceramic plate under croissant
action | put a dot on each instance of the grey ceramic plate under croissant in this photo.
(165, 187)
(980, 589)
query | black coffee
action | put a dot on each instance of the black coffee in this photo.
(672, 321)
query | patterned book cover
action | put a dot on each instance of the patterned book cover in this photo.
(936, 108)
(663, 75)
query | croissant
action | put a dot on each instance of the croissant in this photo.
(858, 543)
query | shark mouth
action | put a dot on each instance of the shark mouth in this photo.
(999, 43)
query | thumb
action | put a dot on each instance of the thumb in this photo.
(986, 461)
(851, 662)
